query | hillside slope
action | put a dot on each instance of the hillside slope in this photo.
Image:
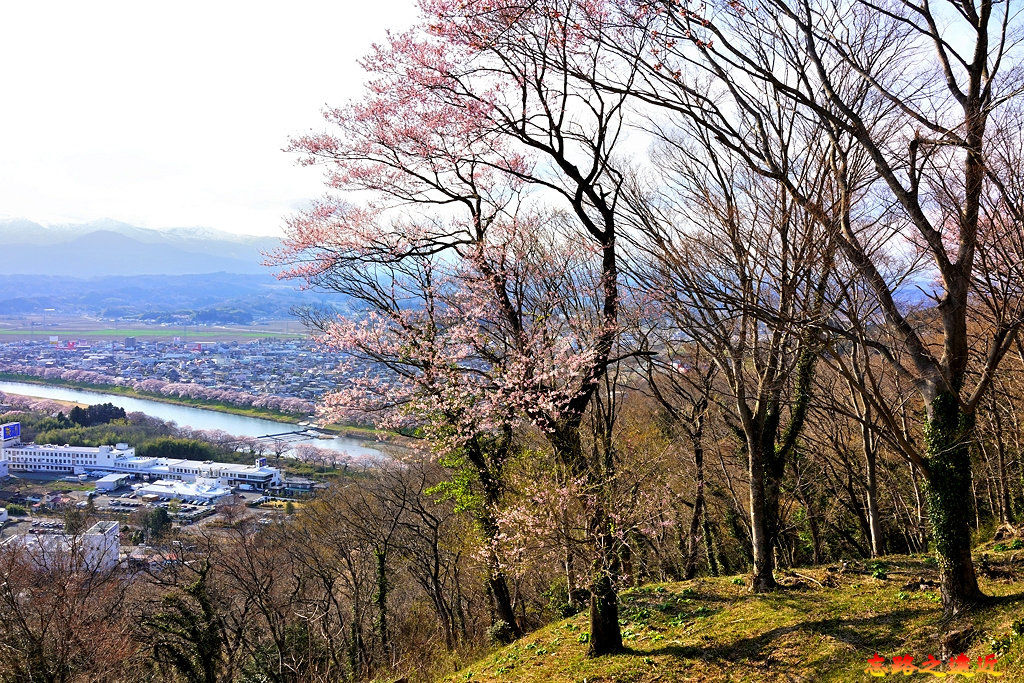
(823, 627)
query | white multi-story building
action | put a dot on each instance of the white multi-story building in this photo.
(54, 459)
(98, 549)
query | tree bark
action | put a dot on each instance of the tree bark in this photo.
(693, 539)
(870, 457)
(605, 633)
(496, 581)
(1004, 481)
(503, 610)
(763, 578)
(949, 467)
(715, 560)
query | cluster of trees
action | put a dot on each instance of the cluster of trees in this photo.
(377, 575)
(282, 404)
(100, 413)
(812, 271)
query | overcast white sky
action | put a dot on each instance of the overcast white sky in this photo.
(169, 114)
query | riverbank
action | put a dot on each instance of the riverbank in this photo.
(67, 404)
(340, 430)
(262, 413)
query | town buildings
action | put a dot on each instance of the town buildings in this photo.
(98, 549)
(121, 459)
(203, 491)
(288, 368)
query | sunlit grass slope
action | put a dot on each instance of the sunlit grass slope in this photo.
(823, 627)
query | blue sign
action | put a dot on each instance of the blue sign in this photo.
(12, 430)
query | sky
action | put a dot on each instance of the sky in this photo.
(168, 114)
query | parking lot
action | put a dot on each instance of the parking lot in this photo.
(125, 500)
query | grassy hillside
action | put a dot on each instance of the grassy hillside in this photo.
(823, 627)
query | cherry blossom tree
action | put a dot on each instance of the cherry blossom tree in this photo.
(476, 118)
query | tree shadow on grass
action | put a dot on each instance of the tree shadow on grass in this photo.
(879, 632)
(998, 600)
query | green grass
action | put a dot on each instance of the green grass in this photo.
(148, 332)
(712, 629)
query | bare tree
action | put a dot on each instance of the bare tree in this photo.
(922, 91)
(736, 265)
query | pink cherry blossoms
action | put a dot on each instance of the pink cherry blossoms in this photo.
(284, 404)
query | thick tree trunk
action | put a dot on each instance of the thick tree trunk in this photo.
(605, 634)
(761, 540)
(503, 610)
(497, 584)
(949, 469)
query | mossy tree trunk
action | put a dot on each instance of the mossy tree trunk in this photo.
(948, 433)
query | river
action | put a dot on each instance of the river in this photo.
(187, 416)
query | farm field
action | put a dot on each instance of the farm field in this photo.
(36, 326)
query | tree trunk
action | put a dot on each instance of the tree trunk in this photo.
(605, 634)
(870, 457)
(693, 539)
(503, 610)
(812, 522)
(989, 478)
(949, 475)
(497, 584)
(714, 558)
(1004, 480)
(919, 530)
(381, 599)
(761, 542)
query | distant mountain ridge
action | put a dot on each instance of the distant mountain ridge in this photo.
(110, 248)
(210, 297)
